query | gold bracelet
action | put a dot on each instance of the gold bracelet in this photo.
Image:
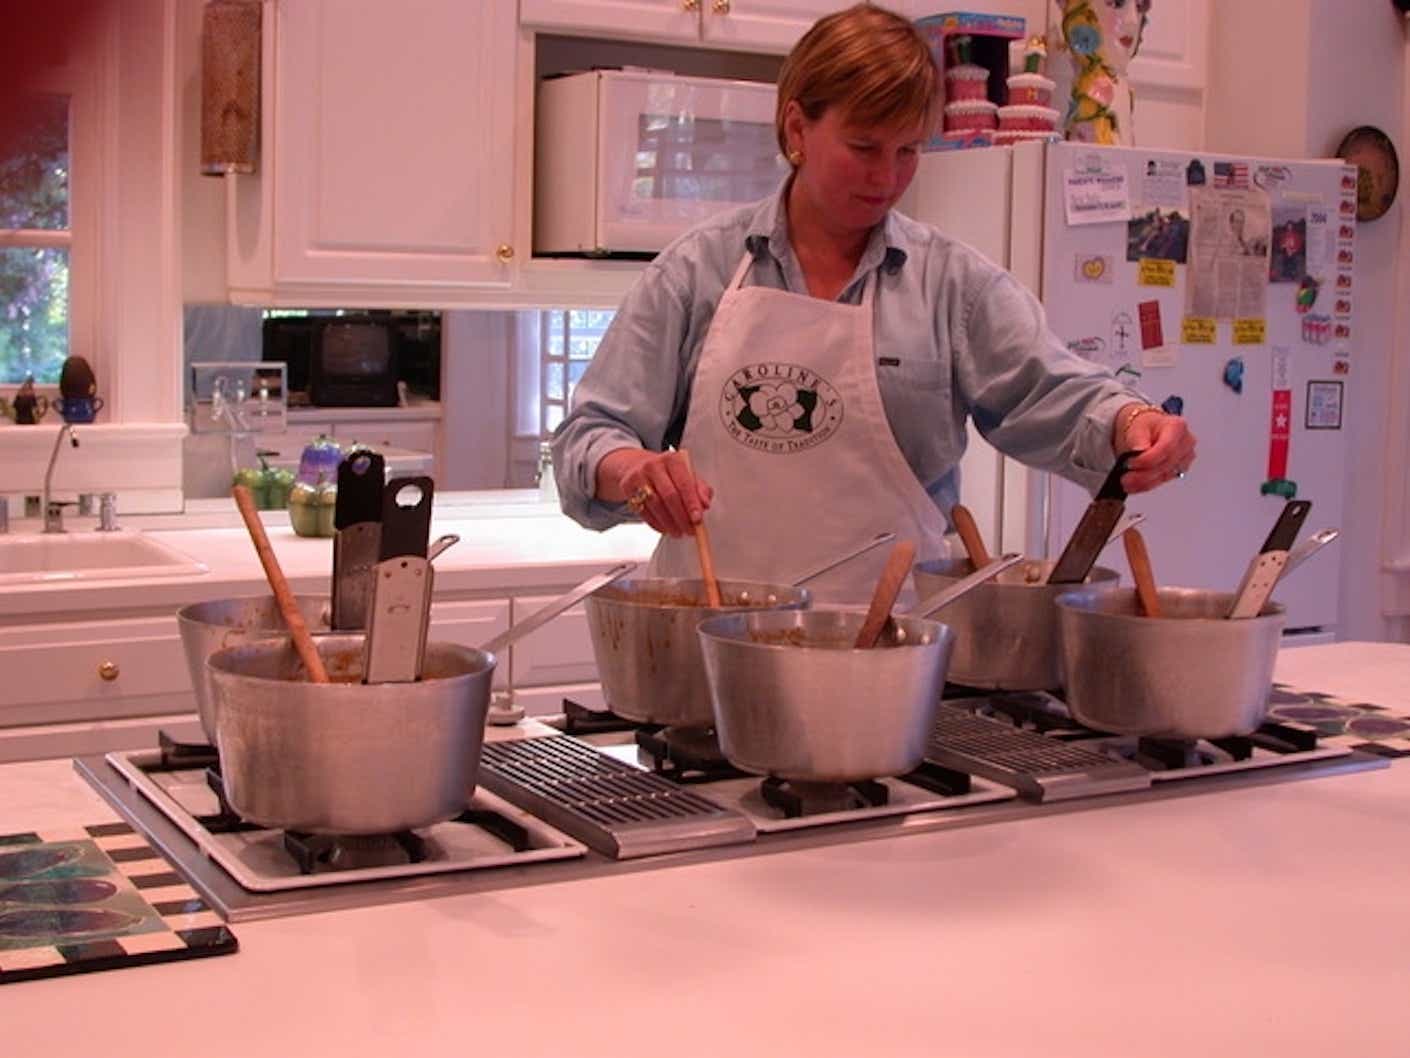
(1141, 409)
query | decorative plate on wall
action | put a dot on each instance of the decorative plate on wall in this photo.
(1371, 151)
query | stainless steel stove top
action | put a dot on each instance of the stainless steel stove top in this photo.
(491, 833)
(601, 793)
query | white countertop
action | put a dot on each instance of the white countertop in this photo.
(509, 541)
(1269, 920)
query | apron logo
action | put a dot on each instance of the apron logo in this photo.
(779, 408)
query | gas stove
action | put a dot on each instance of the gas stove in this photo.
(576, 799)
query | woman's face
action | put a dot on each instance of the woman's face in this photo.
(1120, 22)
(851, 174)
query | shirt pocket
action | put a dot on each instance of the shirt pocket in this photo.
(920, 386)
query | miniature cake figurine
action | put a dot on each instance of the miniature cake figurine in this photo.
(967, 104)
(1028, 115)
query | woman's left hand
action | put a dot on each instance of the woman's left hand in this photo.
(1166, 446)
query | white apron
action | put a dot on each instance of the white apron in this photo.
(786, 423)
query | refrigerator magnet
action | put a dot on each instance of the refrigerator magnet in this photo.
(1154, 351)
(1198, 330)
(1093, 268)
(1234, 374)
(1280, 360)
(1252, 330)
(1324, 405)
(1156, 272)
(1279, 438)
(1123, 335)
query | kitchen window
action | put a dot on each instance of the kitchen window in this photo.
(555, 348)
(36, 236)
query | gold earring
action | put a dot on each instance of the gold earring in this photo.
(795, 157)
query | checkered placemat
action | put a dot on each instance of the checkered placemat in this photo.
(1358, 725)
(96, 898)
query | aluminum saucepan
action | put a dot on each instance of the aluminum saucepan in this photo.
(347, 757)
(1007, 629)
(210, 626)
(648, 655)
(644, 641)
(793, 698)
(1190, 673)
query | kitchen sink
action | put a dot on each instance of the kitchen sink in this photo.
(125, 554)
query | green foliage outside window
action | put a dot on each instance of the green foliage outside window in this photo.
(34, 279)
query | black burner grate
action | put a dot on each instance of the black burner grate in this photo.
(686, 754)
(329, 852)
(797, 799)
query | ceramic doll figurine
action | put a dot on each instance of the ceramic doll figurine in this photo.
(1100, 37)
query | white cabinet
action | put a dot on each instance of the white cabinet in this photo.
(559, 652)
(75, 687)
(472, 624)
(387, 174)
(742, 25)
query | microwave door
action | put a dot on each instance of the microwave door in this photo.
(676, 150)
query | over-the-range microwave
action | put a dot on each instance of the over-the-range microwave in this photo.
(625, 161)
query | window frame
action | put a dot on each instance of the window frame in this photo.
(548, 357)
(77, 80)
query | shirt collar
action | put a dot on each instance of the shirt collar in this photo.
(768, 233)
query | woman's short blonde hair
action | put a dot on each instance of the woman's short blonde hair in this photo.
(871, 62)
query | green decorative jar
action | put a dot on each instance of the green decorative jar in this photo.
(312, 506)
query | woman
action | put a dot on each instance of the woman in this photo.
(818, 354)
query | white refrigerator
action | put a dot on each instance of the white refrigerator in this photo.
(1220, 281)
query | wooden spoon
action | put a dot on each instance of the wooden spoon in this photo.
(303, 641)
(702, 547)
(969, 536)
(888, 586)
(1140, 561)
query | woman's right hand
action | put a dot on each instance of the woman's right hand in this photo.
(658, 486)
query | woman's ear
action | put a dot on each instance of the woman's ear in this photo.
(794, 121)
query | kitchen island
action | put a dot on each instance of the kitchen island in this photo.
(1269, 920)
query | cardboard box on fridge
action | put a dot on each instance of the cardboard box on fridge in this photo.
(991, 36)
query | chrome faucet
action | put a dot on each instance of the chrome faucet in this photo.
(54, 511)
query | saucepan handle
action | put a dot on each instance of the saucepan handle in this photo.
(542, 616)
(928, 606)
(833, 563)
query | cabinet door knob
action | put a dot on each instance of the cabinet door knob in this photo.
(721, 7)
(108, 671)
(504, 252)
(690, 5)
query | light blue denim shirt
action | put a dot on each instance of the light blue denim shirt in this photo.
(957, 337)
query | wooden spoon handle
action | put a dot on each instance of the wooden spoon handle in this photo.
(1140, 561)
(969, 536)
(303, 641)
(888, 586)
(702, 548)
